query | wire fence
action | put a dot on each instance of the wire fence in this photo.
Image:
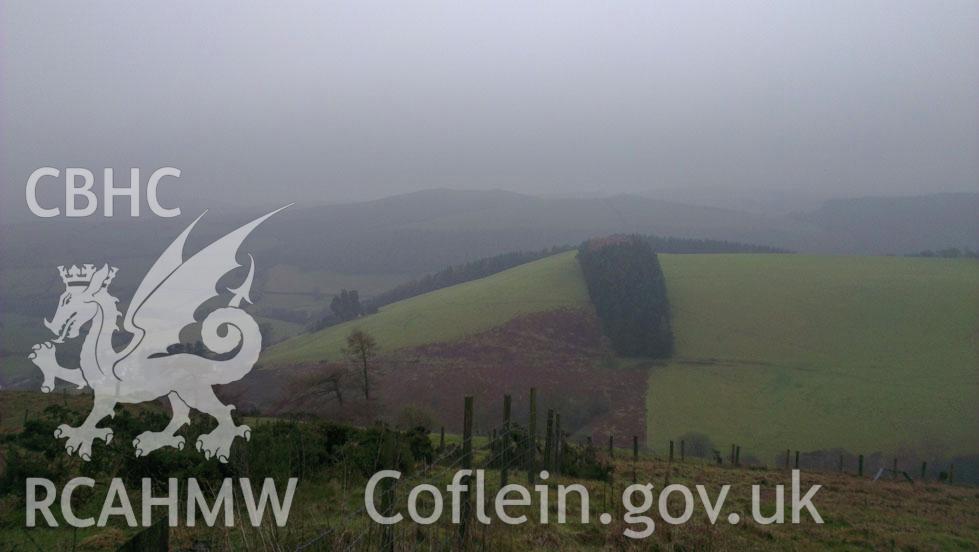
(511, 451)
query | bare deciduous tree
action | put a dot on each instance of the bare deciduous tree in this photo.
(361, 348)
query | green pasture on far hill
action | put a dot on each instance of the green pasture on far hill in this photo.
(808, 352)
(772, 351)
(450, 313)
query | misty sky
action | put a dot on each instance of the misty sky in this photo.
(337, 101)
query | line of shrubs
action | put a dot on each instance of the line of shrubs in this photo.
(279, 449)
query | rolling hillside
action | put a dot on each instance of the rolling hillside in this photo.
(871, 354)
(864, 353)
(451, 313)
(310, 252)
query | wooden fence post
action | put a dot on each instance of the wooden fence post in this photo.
(532, 437)
(788, 453)
(671, 451)
(860, 466)
(558, 443)
(549, 440)
(737, 456)
(467, 464)
(442, 439)
(796, 459)
(505, 472)
(924, 466)
(894, 470)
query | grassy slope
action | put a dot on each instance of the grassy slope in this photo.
(865, 353)
(453, 312)
(773, 352)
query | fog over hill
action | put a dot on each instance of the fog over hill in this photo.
(439, 227)
(897, 224)
(333, 102)
(426, 230)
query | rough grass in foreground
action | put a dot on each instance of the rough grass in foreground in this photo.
(859, 514)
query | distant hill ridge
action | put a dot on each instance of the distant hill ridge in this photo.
(414, 233)
(420, 232)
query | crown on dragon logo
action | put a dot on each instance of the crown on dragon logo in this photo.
(75, 276)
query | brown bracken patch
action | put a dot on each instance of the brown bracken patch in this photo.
(561, 353)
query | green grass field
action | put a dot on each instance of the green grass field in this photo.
(773, 351)
(451, 313)
(805, 352)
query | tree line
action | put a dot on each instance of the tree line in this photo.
(347, 305)
(688, 245)
(461, 273)
(948, 253)
(628, 289)
(481, 268)
(344, 306)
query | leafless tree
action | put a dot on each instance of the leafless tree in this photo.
(361, 348)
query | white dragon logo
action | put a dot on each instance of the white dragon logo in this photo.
(162, 306)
